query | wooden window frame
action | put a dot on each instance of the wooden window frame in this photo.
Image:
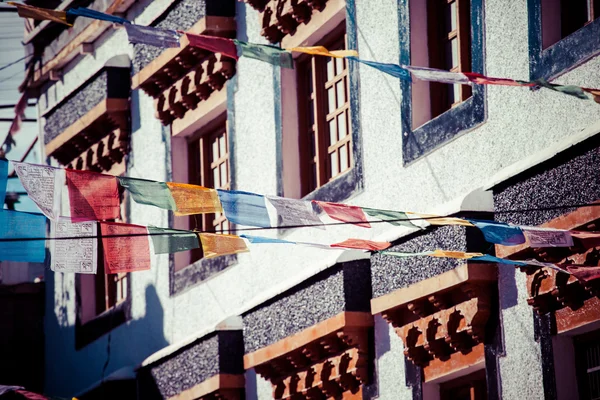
(475, 382)
(568, 27)
(580, 343)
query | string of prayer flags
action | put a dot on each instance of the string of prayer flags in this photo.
(43, 185)
(499, 233)
(391, 69)
(148, 192)
(74, 256)
(89, 13)
(291, 212)
(26, 11)
(546, 237)
(244, 208)
(124, 252)
(454, 254)
(194, 199)
(22, 225)
(270, 54)
(362, 245)
(345, 213)
(265, 240)
(92, 196)
(214, 245)
(437, 75)
(322, 51)
(152, 36)
(215, 44)
(437, 220)
(167, 241)
(397, 218)
(3, 179)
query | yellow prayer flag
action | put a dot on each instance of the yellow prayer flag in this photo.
(214, 245)
(194, 199)
(437, 220)
(26, 11)
(322, 51)
(454, 254)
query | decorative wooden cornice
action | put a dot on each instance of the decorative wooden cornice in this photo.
(97, 141)
(180, 78)
(322, 361)
(442, 320)
(218, 387)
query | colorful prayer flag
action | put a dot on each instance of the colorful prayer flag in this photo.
(89, 13)
(214, 245)
(547, 237)
(215, 44)
(292, 212)
(345, 213)
(264, 240)
(437, 220)
(454, 254)
(74, 255)
(487, 80)
(3, 179)
(587, 239)
(152, 36)
(438, 75)
(397, 218)
(262, 52)
(489, 258)
(405, 255)
(92, 196)
(391, 69)
(322, 51)
(21, 225)
(499, 233)
(167, 241)
(362, 245)
(582, 272)
(26, 11)
(566, 89)
(243, 208)
(147, 192)
(43, 185)
(125, 253)
(194, 199)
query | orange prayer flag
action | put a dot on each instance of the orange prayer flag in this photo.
(214, 245)
(454, 254)
(125, 253)
(362, 245)
(194, 199)
(26, 11)
(92, 196)
(437, 220)
(322, 51)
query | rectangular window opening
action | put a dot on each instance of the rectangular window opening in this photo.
(561, 18)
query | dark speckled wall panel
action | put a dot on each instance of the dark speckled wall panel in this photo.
(392, 273)
(570, 178)
(343, 287)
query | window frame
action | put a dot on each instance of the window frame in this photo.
(475, 381)
(580, 343)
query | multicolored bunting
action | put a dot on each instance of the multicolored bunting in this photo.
(26, 11)
(265, 240)
(3, 179)
(194, 199)
(125, 253)
(345, 213)
(438, 75)
(214, 245)
(499, 233)
(92, 196)
(89, 13)
(397, 218)
(74, 256)
(546, 237)
(262, 52)
(391, 69)
(362, 245)
(243, 208)
(167, 241)
(147, 192)
(291, 212)
(152, 36)
(21, 225)
(215, 44)
(322, 51)
(43, 185)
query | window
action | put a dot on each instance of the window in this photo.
(102, 292)
(561, 18)
(324, 110)
(587, 355)
(470, 387)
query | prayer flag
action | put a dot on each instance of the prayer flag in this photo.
(397, 218)
(214, 245)
(391, 69)
(437, 220)
(487, 80)
(92, 196)
(345, 213)
(499, 233)
(243, 208)
(147, 192)
(21, 225)
(588, 239)
(566, 89)
(128, 252)
(43, 185)
(455, 254)
(322, 51)
(263, 240)
(438, 75)
(3, 179)
(89, 13)
(215, 44)
(194, 199)
(405, 255)
(26, 11)
(152, 36)
(271, 54)
(547, 237)
(489, 258)
(291, 212)
(20, 107)
(167, 241)
(75, 255)
(582, 272)
(362, 245)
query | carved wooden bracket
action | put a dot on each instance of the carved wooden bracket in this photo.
(322, 361)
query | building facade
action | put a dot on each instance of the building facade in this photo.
(292, 322)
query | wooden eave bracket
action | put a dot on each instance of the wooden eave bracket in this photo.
(324, 360)
(220, 386)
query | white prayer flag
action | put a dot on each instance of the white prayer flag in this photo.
(292, 212)
(546, 237)
(76, 255)
(43, 185)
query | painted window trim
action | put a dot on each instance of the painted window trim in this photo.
(559, 58)
(460, 119)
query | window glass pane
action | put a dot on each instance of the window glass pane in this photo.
(453, 94)
(334, 163)
(452, 53)
(452, 18)
(331, 99)
(341, 121)
(224, 179)
(222, 146)
(341, 93)
(311, 113)
(215, 151)
(344, 158)
(332, 133)
(339, 62)
(330, 69)
(215, 182)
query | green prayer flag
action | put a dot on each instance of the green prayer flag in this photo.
(271, 54)
(571, 90)
(149, 192)
(167, 241)
(390, 216)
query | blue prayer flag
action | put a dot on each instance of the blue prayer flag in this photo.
(489, 258)
(261, 240)
(3, 179)
(394, 70)
(243, 208)
(15, 224)
(89, 13)
(499, 233)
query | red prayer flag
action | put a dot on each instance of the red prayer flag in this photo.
(125, 253)
(582, 272)
(93, 196)
(345, 213)
(488, 80)
(215, 44)
(362, 244)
